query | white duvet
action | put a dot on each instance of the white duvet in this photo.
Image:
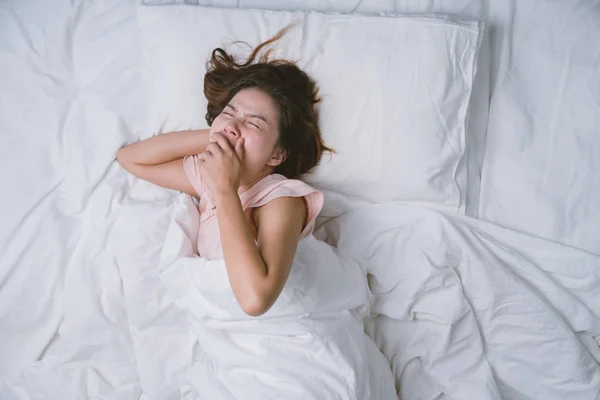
(147, 315)
(460, 308)
(467, 310)
(309, 345)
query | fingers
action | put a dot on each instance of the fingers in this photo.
(213, 149)
(221, 146)
(223, 143)
(239, 148)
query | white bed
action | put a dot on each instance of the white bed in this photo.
(501, 304)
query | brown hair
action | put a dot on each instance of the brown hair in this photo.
(294, 92)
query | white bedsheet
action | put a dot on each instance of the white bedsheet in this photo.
(464, 309)
(540, 172)
(70, 98)
(460, 308)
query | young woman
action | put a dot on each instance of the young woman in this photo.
(263, 135)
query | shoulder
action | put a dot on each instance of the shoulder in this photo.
(284, 211)
(298, 199)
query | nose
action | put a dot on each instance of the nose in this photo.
(232, 128)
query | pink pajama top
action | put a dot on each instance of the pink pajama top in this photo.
(269, 188)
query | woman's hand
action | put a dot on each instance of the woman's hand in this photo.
(221, 165)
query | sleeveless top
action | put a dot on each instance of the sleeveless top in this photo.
(268, 188)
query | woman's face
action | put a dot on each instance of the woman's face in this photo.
(253, 115)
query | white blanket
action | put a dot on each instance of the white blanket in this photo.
(309, 345)
(460, 308)
(467, 310)
(144, 315)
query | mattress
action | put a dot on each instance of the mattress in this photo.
(461, 307)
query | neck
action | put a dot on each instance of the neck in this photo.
(246, 184)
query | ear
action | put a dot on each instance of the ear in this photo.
(277, 158)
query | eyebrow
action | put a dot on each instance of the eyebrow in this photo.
(249, 115)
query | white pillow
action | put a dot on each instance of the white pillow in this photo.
(395, 90)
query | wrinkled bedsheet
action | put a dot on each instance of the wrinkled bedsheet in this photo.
(460, 308)
(464, 309)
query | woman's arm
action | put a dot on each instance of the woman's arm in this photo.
(258, 273)
(159, 159)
